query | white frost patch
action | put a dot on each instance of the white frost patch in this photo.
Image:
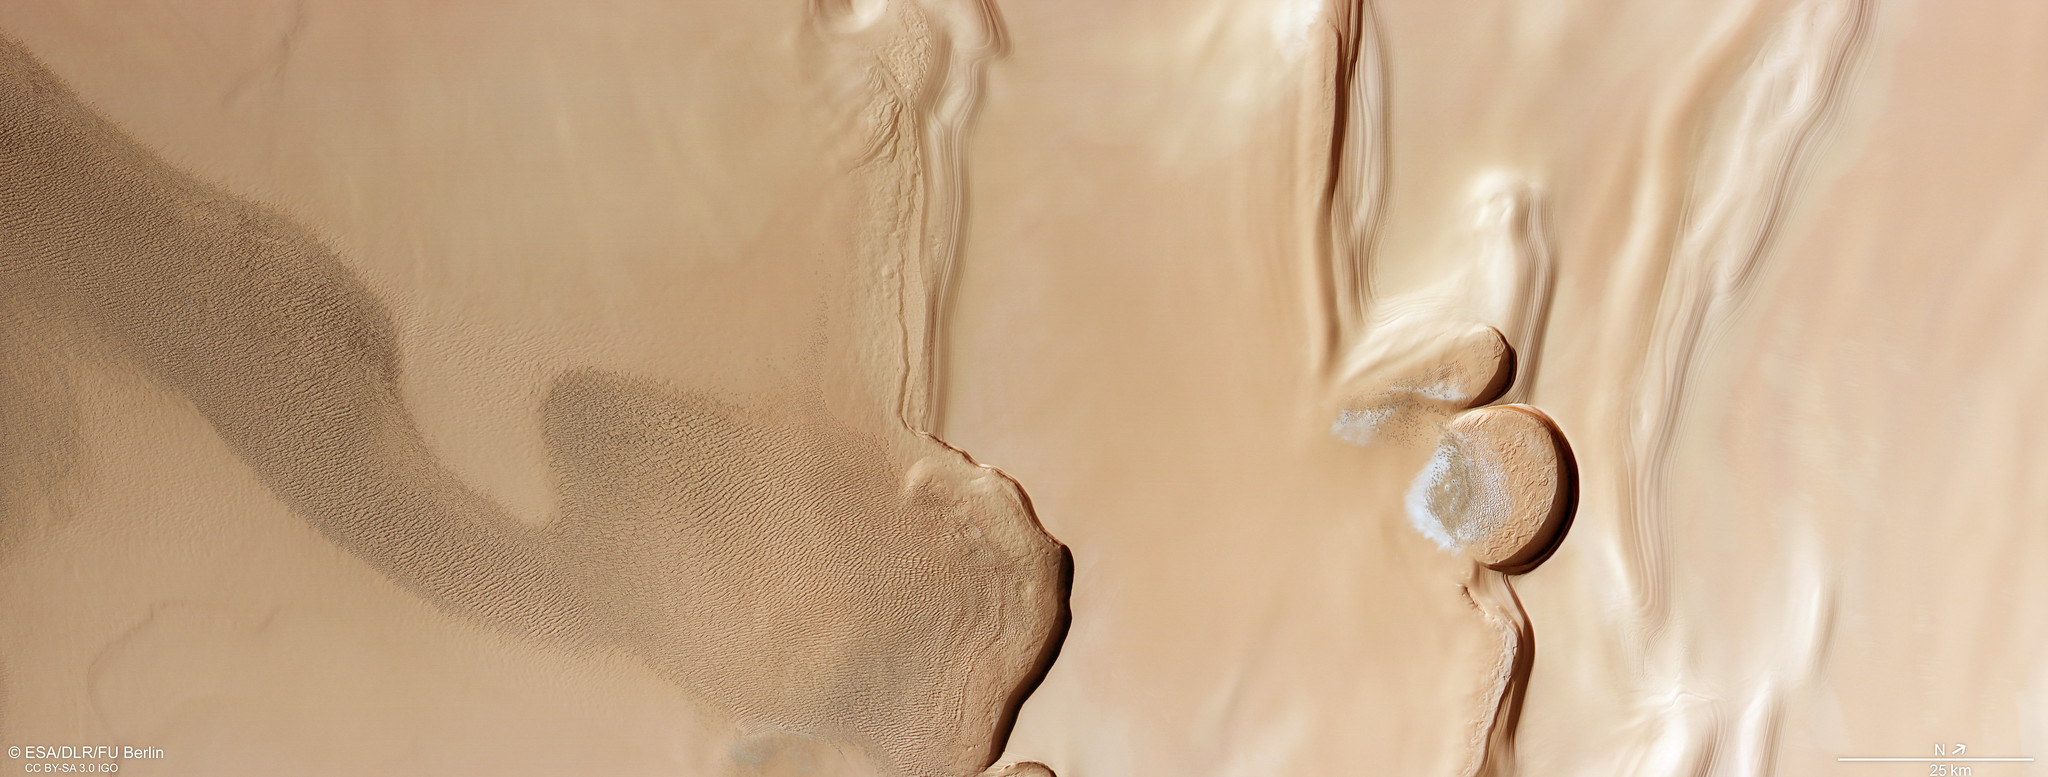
(1358, 427)
(1444, 391)
(1482, 500)
(1424, 519)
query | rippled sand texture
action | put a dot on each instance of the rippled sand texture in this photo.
(552, 389)
(824, 585)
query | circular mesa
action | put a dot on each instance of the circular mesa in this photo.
(1501, 487)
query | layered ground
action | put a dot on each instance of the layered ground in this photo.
(1772, 267)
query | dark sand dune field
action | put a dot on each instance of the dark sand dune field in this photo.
(1157, 388)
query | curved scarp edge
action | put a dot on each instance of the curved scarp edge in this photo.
(974, 34)
(926, 59)
(1018, 769)
(1767, 124)
(1407, 365)
(1355, 187)
(1472, 337)
(1757, 136)
(894, 552)
(1518, 275)
(1493, 745)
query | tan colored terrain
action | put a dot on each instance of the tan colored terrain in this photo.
(529, 388)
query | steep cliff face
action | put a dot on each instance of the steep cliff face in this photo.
(1604, 387)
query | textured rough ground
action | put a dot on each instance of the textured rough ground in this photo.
(1774, 266)
(867, 593)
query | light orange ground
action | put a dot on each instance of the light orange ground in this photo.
(1790, 252)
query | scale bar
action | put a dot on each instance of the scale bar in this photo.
(1941, 760)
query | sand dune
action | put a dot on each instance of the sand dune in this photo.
(942, 387)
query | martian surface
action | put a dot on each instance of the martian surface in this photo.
(981, 388)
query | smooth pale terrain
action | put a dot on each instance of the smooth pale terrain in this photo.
(1810, 525)
(1854, 495)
